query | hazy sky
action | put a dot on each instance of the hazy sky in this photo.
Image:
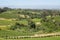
(30, 4)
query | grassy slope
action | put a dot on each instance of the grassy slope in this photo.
(14, 33)
(9, 14)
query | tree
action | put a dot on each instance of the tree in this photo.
(32, 25)
(13, 27)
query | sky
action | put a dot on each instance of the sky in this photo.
(33, 4)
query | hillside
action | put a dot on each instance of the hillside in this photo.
(24, 22)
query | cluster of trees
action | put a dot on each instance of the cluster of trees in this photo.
(4, 9)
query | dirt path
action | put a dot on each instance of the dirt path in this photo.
(7, 19)
(49, 34)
